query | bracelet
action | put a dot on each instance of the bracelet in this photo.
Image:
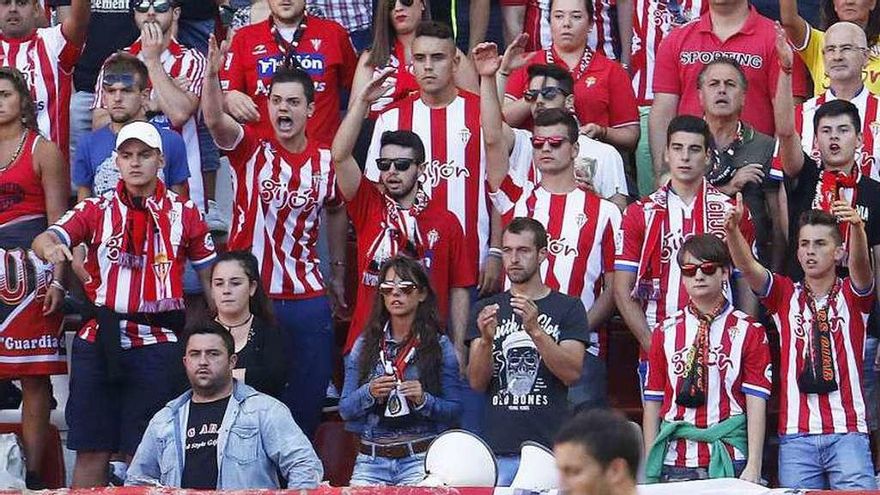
(57, 285)
(496, 252)
(786, 70)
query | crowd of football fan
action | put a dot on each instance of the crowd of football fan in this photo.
(473, 213)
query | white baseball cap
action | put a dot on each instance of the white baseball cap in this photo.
(144, 132)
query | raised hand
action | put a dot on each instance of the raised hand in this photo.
(216, 55)
(846, 213)
(783, 50)
(515, 56)
(378, 86)
(151, 41)
(58, 253)
(734, 216)
(486, 59)
(487, 322)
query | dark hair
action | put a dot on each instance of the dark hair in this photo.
(872, 30)
(406, 139)
(212, 328)
(728, 61)
(835, 108)
(125, 63)
(552, 71)
(706, 247)
(558, 116)
(297, 75)
(691, 125)
(259, 305)
(434, 29)
(588, 4)
(384, 34)
(820, 217)
(28, 109)
(426, 327)
(523, 224)
(606, 435)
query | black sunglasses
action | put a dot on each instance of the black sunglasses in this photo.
(160, 6)
(405, 3)
(547, 93)
(400, 164)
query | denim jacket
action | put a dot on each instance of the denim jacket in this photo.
(437, 414)
(257, 438)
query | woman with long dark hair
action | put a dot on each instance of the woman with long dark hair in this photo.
(244, 309)
(809, 41)
(34, 186)
(394, 28)
(401, 379)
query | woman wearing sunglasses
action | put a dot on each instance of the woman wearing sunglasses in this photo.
(708, 378)
(810, 42)
(401, 379)
(244, 309)
(394, 28)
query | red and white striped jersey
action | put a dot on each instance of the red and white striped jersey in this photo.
(652, 21)
(868, 104)
(276, 211)
(46, 59)
(600, 38)
(179, 62)
(100, 223)
(739, 364)
(681, 222)
(582, 230)
(456, 163)
(841, 411)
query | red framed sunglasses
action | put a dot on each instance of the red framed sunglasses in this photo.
(707, 267)
(554, 141)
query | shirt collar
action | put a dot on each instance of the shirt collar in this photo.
(705, 22)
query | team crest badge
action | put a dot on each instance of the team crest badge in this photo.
(465, 135)
(590, 81)
(161, 266)
(433, 237)
(581, 219)
(875, 127)
(316, 44)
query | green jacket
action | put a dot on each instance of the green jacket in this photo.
(731, 431)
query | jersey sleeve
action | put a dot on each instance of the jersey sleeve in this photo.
(520, 160)
(194, 66)
(757, 373)
(242, 150)
(632, 229)
(655, 383)
(99, 90)
(610, 178)
(667, 68)
(574, 325)
(232, 73)
(75, 226)
(505, 198)
(333, 198)
(778, 288)
(623, 108)
(864, 300)
(610, 236)
(363, 204)
(199, 243)
(176, 161)
(58, 47)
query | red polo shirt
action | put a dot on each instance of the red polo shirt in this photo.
(688, 48)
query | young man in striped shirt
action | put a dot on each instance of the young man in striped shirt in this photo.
(283, 185)
(709, 376)
(821, 323)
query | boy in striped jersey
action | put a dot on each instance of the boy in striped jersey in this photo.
(709, 379)
(821, 322)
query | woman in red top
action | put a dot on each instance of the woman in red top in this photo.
(34, 186)
(394, 27)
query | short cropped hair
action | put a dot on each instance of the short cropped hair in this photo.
(553, 71)
(434, 29)
(125, 63)
(524, 224)
(836, 108)
(406, 139)
(691, 125)
(606, 435)
(820, 217)
(724, 61)
(212, 328)
(556, 116)
(288, 74)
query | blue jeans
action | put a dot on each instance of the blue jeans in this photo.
(362, 39)
(80, 117)
(839, 461)
(369, 470)
(591, 391)
(508, 465)
(307, 329)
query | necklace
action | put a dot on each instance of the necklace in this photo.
(237, 325)
(17, 152)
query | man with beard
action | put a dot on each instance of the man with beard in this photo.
(400, 221)
(526, 348)
(233, 436)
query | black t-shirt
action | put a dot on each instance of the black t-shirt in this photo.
(802, 190)
(111, 28)
(755, 147)
(202, 430)
(525, 400)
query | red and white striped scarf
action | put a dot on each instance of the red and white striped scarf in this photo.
(399, 234)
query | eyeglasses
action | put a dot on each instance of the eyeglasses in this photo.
(405, 286)
(546, 93)
(160, 6)
(553, 141)
(842, 49)
(126, 80)
(400, 164)
(707, 267)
